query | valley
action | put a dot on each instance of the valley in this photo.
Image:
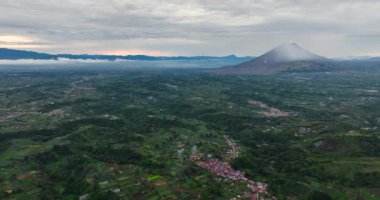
(180, 134)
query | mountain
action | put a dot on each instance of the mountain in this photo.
(11, 54)
(375, 59)
(286, 57)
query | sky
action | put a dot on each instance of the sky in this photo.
(332, 28)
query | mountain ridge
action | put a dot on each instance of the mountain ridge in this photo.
(13, 54)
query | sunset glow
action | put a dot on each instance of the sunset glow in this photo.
(12, 39)
(20, 42)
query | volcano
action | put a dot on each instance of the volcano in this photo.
(286, 57)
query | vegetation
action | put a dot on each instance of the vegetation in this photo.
(129, 134)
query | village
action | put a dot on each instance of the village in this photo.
(270, 111)
(257, 190)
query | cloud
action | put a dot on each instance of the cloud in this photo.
(49, 62)
(193, 27)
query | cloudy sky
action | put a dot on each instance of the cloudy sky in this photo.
(190, 27)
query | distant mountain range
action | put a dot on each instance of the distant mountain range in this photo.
(11, 54)
(290, 57)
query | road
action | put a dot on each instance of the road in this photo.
(235, 153)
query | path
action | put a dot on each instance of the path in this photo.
(235, 153)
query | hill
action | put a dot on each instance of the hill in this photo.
(11, 54)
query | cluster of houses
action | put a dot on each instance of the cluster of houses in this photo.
(18, 114)
(258, 104)
(258, 190)
(275, 112)
(222, 169)
(57, 112)
(195, 156)
(269, 111)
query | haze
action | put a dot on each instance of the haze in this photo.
(196, 27)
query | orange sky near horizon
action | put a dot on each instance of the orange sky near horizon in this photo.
(21, 42)
(30, 43)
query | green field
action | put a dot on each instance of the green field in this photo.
(121, 134)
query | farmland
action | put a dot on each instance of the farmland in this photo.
(180, 134)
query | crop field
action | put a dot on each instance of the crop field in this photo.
(180, 134)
